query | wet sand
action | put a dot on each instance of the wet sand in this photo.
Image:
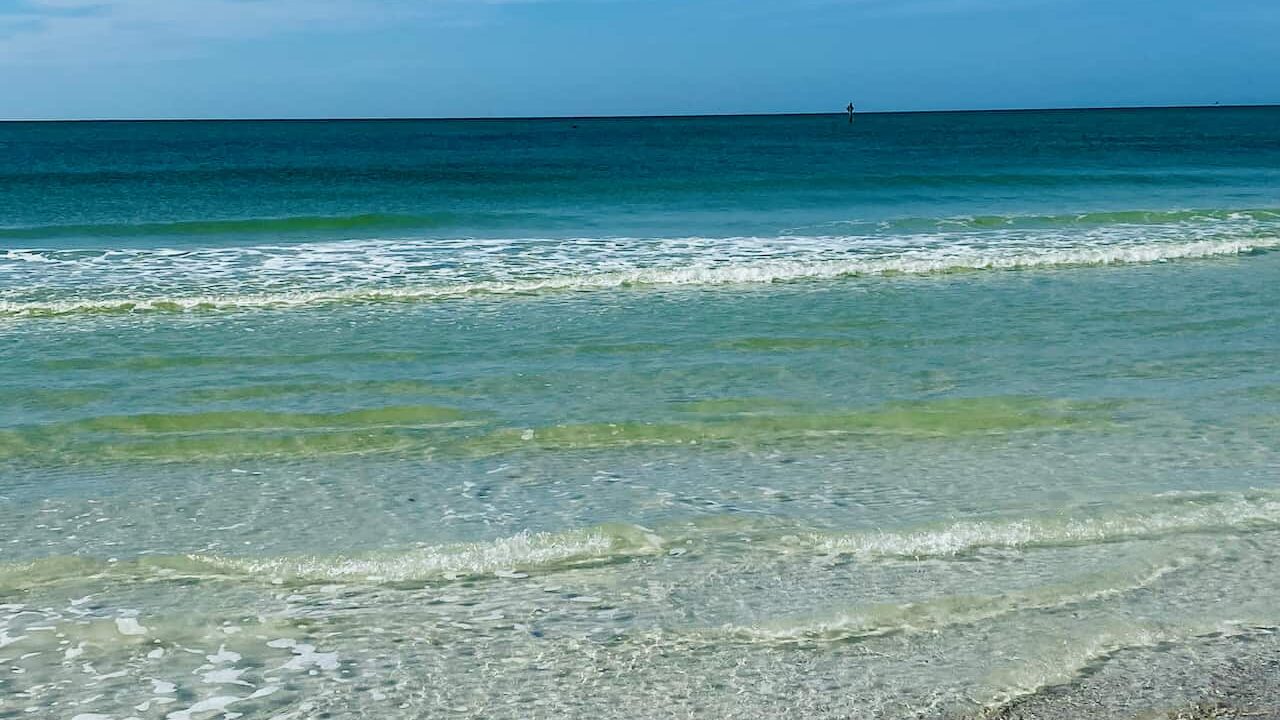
(1222, 677)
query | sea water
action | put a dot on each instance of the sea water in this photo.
(700, 417)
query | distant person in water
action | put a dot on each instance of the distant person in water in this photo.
(850, 111)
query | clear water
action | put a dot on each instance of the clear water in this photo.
(706, 417)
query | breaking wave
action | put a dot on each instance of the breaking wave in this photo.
(703, 272)
(506, 556)
(1175, 514)
(511, 557)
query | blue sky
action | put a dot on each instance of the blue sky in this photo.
(325, 58)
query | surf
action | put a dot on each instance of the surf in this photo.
(1166, 515)
(705, 273)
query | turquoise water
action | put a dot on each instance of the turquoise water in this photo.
(708, 417)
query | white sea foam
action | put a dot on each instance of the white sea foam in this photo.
(340, 273)
(1174, 515)
(524, 551)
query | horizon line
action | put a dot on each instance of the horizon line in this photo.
(663, 116)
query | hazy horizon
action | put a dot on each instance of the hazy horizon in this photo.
(674, 115)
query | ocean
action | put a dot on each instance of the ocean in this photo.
(927, 415)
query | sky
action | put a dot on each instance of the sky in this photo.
(480, 58)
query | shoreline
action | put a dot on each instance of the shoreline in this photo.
(1235, 676)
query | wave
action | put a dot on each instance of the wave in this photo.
(935, 260)
(1174, 514)
(949, 611)
(510, 557)
(367, 222)
(524, 552)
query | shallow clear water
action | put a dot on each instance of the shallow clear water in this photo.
(630, 418)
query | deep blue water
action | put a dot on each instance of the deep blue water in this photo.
(608, 177)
